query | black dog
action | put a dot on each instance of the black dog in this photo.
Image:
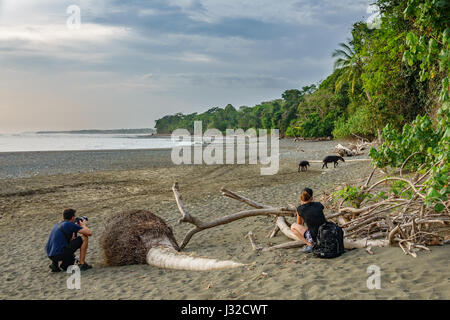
(329, 159)
(303, 166)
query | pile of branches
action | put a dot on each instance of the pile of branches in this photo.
(354, 149)
(258, 209)
(401, 217)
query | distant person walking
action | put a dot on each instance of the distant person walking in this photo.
(63, 242)
(311, 213)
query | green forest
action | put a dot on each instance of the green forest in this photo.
(382, 76)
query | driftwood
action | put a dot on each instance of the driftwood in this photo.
(345, 152)
(139, 236)
(285, 229)
(354, 149)
(274, 232)
(407, 223)
(259, 210)
(286, 245)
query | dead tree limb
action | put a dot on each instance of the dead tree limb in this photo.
(287, 245)
(274, 232)
(285, 229)
(201, 225)
(252, 239)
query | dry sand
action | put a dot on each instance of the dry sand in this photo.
(30, 206)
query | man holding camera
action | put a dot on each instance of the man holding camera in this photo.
(63, 242)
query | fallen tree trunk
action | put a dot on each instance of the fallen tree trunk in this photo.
(169, 258)
(363, 243)
(285, 229)
(139, 236)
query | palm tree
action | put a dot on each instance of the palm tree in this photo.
(351, 64)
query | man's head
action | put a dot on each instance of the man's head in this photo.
(69, 214)
(306, 195)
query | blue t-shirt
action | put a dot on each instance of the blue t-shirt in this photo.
(57, 241)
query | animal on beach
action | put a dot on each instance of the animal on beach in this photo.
(303, 166)
(329, 159)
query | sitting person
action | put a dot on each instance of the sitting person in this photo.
(312, 213)
(63, 242)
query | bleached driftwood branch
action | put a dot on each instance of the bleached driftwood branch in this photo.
(259, 210)
(286, 245)
(201, 225)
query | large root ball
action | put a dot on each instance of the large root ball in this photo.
(129, 235)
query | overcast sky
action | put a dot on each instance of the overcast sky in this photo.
(133, 61)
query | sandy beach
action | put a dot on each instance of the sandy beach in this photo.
(36, 187)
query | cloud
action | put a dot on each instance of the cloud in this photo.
(172, 55)
(51, 34)
(90, 43)
(304, 12)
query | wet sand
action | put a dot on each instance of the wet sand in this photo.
(31, 202)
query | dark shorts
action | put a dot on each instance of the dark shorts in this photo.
(68, 257)
(308, 237)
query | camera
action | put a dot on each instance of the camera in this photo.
(79, 219)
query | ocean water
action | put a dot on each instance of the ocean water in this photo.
(76, 142)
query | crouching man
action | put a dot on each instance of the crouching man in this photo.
(63, 242)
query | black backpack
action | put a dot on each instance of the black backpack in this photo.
(330, 241)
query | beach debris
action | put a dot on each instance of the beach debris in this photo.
(399, 218)
(252, 239)
(259, 210)
(354, 149)
(274, 232)
(139, 237)
(369, 250)
(199, 225)
(386, 221)
(345, 152)
(287, 245)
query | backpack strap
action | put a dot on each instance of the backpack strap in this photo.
(64, 234)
